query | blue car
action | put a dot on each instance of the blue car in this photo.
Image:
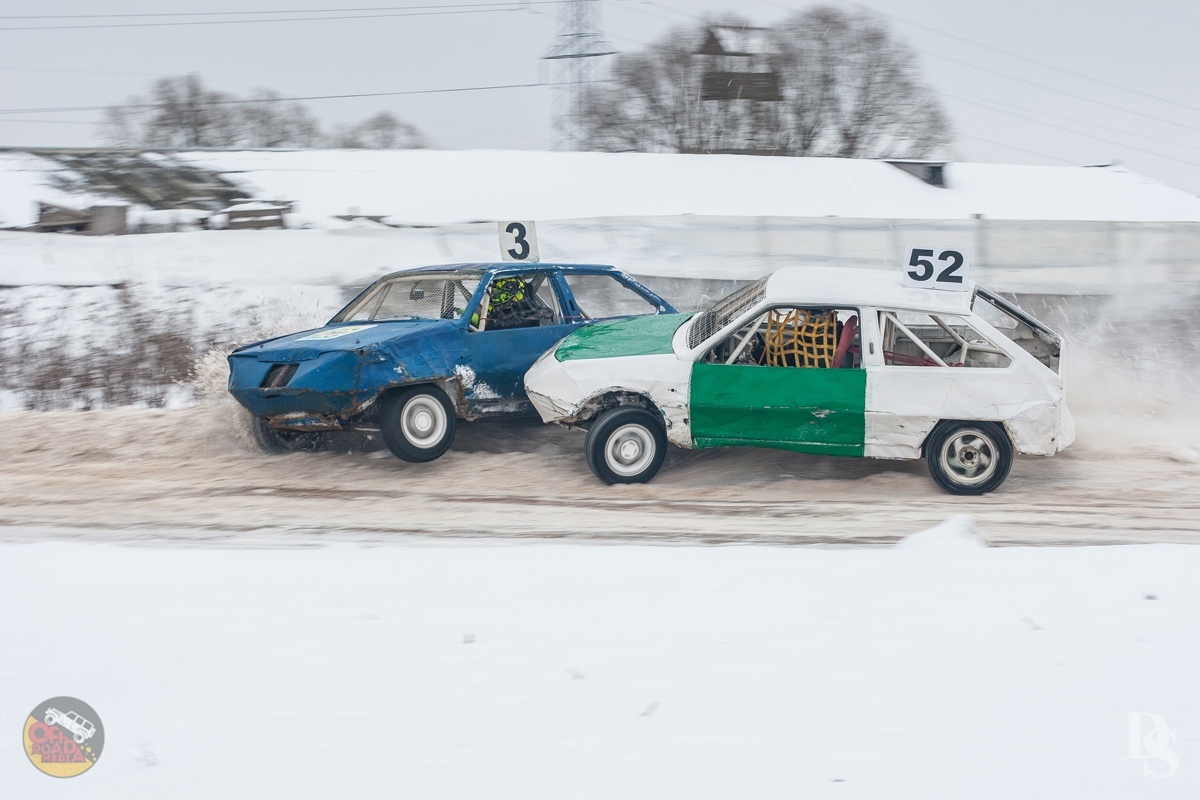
(422, 348)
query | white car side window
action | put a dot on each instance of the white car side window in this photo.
(912, 339)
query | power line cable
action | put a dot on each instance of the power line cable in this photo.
(150, 14)
(1035, 61)
(635, 7)
(1041, 64)
(53, 121)
(1022, 110)
(1021, 149)
(1080, 133)
(240, 101)
(1163, 11)
(499, 9)
(81, 71)
(1026, 81)
(1060, 91)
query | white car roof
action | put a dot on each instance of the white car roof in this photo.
(845, 286)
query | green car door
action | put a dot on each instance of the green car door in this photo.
(805, 409)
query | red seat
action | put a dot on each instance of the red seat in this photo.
(848, 332)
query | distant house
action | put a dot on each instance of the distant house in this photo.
(93, 221)
(737, 66)
(256, 215)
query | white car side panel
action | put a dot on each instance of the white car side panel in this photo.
(565, 388)
(905, 403)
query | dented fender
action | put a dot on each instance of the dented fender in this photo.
(573, 391)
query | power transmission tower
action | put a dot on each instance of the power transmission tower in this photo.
(575, 54)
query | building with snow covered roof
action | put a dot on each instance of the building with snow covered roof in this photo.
(723, 216)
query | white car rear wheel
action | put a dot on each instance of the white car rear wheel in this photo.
(969, 457)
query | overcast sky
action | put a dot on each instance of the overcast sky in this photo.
(1117, 79)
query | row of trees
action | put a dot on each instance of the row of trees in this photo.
(840, 85)
(182, 112)
(823, 82)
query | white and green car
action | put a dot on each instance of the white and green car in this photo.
(817, 360)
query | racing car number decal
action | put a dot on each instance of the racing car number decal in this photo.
(336, 333)
(937, 269)
(518, 241)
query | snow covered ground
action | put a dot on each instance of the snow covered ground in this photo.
(941, 669)
(432, 187)
(190, 476)
(80, 315)
(343, 624)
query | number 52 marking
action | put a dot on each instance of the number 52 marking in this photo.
(925, 269)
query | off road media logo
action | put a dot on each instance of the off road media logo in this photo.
(63, 737)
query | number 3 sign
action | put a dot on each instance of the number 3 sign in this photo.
(518, 241)
(937, 269)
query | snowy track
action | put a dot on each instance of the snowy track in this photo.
(183, 477)
(566, 671)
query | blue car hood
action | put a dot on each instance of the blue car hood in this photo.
(343, 337)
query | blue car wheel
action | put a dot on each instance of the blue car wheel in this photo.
(277, 442)
(417, 424)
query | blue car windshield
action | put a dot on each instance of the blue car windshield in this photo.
(427, 295)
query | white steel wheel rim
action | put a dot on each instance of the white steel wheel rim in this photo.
(423, 421)
(629, 450)
(970, 457)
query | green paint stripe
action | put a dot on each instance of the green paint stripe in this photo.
(854, 450)
(647, 335)
(808, 409)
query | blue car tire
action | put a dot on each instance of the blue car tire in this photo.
(277, 442)
(268, 439)
(417, 424)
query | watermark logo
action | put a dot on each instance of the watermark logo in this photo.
(63, 737)
(1150, 741)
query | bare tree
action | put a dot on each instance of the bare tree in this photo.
(267, 121)
(851, 89)
(384, 131)
(180, 112)
(824, 82)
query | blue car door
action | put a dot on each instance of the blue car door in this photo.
(523, 319)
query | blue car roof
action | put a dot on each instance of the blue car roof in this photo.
(492, 267)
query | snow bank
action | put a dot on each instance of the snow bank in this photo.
(958, 532)
(554, 671)
(431, 187)
(439, 187)
(692, 227)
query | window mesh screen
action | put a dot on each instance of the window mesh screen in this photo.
(422, 296)
(724, 312)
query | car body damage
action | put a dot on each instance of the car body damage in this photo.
(337, 378)
(640, 351)
(468, 331)
(828, 361)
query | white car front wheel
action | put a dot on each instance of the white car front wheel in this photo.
(626, 445)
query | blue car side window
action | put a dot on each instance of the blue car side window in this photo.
(599, 296)
(518, 301)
